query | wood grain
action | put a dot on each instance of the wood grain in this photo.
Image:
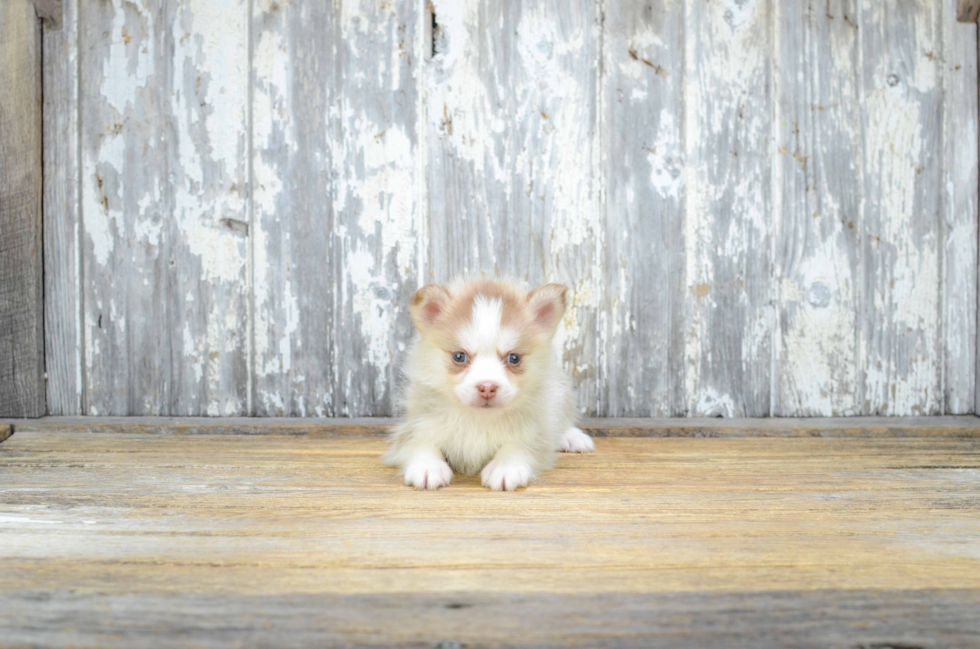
(21, 275)
(767, 620)
(728, 208)
(960, 215)
(901, 219)
(762, 208)
(817, 261)
(512, 154)
(644, 289)
(860, 427)
(338, 218)
(62, 218)
(164, 195)
(51, 11)
(967, 10)
(126, 539)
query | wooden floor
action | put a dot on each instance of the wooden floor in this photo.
(178, 538)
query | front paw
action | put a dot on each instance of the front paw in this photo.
(428, 474)
(506, 475)
(574, 440)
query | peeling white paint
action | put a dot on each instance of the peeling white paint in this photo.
(127, 67)
(900, 362)
(521, 142)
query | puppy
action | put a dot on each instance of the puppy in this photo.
(486, 392)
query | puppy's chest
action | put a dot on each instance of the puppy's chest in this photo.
(470, 445)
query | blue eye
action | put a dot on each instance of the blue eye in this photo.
(459, 357)
(513, 359)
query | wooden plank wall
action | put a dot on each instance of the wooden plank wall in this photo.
(762, 208)
(21, 290)
(62, 216)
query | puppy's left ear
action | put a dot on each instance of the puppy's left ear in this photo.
(547, 304)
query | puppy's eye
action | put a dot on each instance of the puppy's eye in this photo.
(459, 357)
(513, 359)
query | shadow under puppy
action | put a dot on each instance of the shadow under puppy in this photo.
(486, 392)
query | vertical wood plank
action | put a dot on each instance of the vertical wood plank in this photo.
(209, 161)
(817, 198)
(22, 391)
(728, 140)
(164, 107)
(513, 156)
(376, 244)
(643, 167)
(62, 217)
(338, 217)
(959, 195)
(295, 125)
(761, 208)
(901, 228)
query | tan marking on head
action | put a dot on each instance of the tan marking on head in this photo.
(527, 315)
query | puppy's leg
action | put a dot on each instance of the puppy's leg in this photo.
(426, 468)
(573, 440)
(509, 469)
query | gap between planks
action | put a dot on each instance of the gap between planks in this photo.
(859, 427)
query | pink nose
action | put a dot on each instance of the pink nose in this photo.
(487, 390)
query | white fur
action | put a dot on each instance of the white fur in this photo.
(573, 440)
(508, 444)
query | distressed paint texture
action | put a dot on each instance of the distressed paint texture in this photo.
(163, 193)
(728, 145)
(643, 166)
(960, 213)
(817, 187)
(512, 151)
(761, 208)
(901, 249)
(337, 216)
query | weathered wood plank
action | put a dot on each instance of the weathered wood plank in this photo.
(205, 540)
(702, 282)
(338, 212)
(377, 251)
(728, 213)
(164, 141)
(295, 127)
(967, 10)
(644, 288)
(62, 219)
(817, 198)
(210, 290)
(21, 273)
(763, 620)
(901, 221)
(513, 157)
(860, 427)
(960, 214)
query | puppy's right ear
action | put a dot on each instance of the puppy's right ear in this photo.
(427, 304)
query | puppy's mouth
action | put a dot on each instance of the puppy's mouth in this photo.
(488, 403)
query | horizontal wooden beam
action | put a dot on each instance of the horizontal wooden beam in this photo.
(958, 426)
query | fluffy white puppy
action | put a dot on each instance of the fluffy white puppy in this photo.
(486, 392)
